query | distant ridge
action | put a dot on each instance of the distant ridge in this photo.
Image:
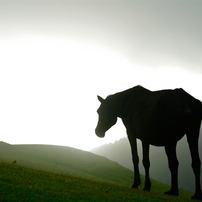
(120, 152)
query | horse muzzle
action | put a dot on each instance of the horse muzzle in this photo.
(99, 134)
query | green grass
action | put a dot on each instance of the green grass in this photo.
(18, 183)
(66, 160)
(68, 174)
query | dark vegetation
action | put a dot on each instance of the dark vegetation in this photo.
(54, 173)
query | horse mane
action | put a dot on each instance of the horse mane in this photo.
(130, 90)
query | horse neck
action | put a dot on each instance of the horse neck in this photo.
(120, 100)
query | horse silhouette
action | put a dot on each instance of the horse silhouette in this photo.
(159, 118)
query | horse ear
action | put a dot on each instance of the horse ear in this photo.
(100, 99)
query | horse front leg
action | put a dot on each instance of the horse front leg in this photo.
(135, 158)
(173, 166)
(146, 164)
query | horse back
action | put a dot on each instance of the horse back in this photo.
(160, 116)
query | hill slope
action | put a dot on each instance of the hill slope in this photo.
(64, 160)
(19, 183)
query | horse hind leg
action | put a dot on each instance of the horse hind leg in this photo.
(146, 164)
(173, 166)
(192, 139)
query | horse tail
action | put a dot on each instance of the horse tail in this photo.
(196, 107)
(201, 109)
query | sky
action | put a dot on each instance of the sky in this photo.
(57, 56)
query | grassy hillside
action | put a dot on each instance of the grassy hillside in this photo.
(64, 160)
(67, 161)
(19, 183)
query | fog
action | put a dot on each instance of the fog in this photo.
(56, 56)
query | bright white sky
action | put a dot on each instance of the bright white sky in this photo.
(55, 57)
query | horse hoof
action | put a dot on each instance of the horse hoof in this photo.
(146, 189)
(136, 184)
(147, 186)
(134, 187)
(197, 197)
(172, 193)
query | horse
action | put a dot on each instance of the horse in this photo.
(159, 118)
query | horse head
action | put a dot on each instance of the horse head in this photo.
(107, 117)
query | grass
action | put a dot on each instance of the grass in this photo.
(18, 183)
(66, 160)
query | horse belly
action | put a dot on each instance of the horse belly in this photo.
(159, 133)
(159, 139)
